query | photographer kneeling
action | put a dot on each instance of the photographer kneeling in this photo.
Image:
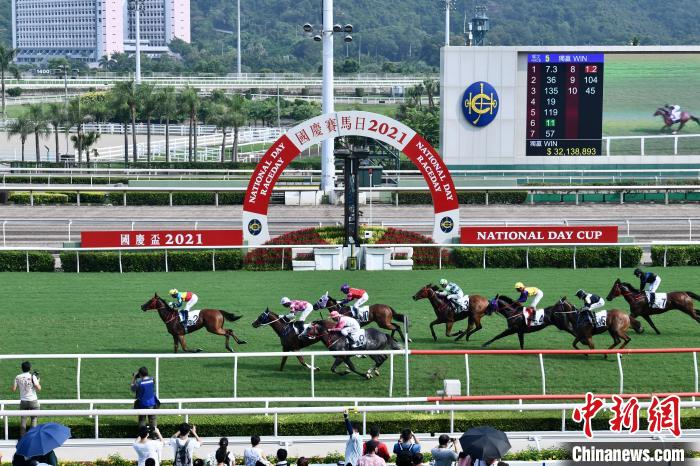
(145, 389)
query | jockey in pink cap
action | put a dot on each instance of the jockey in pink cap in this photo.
(347, 326)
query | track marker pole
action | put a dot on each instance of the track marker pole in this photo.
(391, 375)
(695, 368)
(235, 378)
(622, 374)
(405, 326)
(78, 377)
(157, 376)
(313, 375)
(544, 379)
(466, 366)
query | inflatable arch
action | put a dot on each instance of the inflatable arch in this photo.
(352, 123)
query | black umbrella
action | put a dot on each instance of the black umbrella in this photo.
(484, 442)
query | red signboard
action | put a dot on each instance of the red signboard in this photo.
(160, 238)
(538, 234)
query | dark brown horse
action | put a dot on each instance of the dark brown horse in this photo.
(211, 319)
(639, 304)
(382, 314)
(617, 323)
(445, 312)
(288, 337)
(665, 113)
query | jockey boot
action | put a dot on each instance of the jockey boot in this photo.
(652, 299)
(184, 315)
(299, 326)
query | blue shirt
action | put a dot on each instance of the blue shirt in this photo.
(145, 392)
(412, 447)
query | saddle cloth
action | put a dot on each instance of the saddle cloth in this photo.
(659, 300)
(192, 318)
(363, 314)
(539, 316)
(601, 319)
(360, 339)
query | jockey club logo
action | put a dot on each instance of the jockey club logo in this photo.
(447, 224)
(480, 103)
(254, 227)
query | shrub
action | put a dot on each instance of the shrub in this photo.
(423, 258)
(466, 197)
(14, 91)
(272, 259)
(675, 255)
(39, 198)
(537, 257)
(16, 261)
(468, 258)
(151, 261)
(505, 258)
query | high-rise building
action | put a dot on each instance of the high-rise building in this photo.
(86, 30)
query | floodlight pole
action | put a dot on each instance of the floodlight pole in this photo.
(328, 145)
(238, 38)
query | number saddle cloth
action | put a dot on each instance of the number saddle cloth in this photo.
(538, 316)
(192, 318)
(659, 300)
(601, 319)
(363, 314)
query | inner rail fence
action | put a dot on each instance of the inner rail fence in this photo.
(398, 404)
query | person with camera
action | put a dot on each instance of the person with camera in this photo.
(145, 389)
(183, 445)
(443, 455)
(28, 384)
(146, 448)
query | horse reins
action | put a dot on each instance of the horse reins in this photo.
(173, 313)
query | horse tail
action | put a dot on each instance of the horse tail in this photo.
(398, 317)
(695, 119)
(229, 316)
(693, 295)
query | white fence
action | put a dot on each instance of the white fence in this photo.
(643, 145)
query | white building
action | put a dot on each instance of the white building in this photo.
(86, 30)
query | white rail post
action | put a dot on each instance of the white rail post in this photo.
(27, 257)
(690, 230)
(166, 260)
(213, 261)
(466, 367)
(642, 145)
(622, 374)
(484, 259)
(407, 370)
(120, 262)
(440, 258)
(124, 198)
(275, 425)
(391, 375)
(695, 369)
(4, 241)
(97, 426)
(7, 428)
(157, 376)
(563, 420)
(574, 257)
(665, 254)
(364, 422)
(235, 376)
(675, 145)
(77, 262)
(77, 378)
(452, 421)
(527, 257)
(544, 379)
(70, 222)
(313, 376)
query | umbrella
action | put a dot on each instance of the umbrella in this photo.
(42, 439)
(484, 442)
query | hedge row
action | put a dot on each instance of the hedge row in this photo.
(178, 261)
(145, 198)
(586, 257)
(469, 197)
(36, 179)
(50, 198)
(675, 255)
(16, 261)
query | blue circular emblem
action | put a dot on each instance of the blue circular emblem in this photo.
(254, 227)
(480, 103)
(447, 224)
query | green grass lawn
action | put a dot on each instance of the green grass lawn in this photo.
(99, 313)
(383, 109)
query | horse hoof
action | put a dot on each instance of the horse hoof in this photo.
(198, 350)
(410, 341)
(316, 369)
(376, 372)
(242, 342)
(368, 376)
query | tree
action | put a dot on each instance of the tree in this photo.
(148, 104)
(84, 141)
(57, 116)
(6, 66)
(125, 94)
(167, 110)
(239, 112)
(220, 116)
(431, 88)
(40, 125)
(189, 99)
(78, 116)
(22, 127)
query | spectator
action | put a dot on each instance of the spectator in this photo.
(221, 457)
(353, 447)
(146, 448)
(407, 446)
(302, 461)
(487, 462)
(253, 455)
(382, 449)
(183, 445)
(198, 462)
(418, 459)
(442, 454)
(28, 384)
(464, 459)
(150, 462)
(223, 448)
(371, 458)
(144, 387)
(281, 457)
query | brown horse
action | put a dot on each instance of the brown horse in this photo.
(211, 319)
(616, 324)
(445, 312)
(288, 337)
(668, 121)
(639, 304)
(382, 314)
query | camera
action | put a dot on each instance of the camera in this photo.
(35, 373)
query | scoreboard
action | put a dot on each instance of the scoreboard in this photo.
(564, 104)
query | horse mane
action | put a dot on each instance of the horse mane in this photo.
(629, 285)
(506, 299)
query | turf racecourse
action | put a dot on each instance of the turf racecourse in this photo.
(99, 313)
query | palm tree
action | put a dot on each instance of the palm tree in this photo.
(189, 99)
(6, 65)
(40, 125)
(168, 110)
(220, 116)
(22, 127)
(239, 111)
(85, 141)
(57, 116)
(125, 93)
(78, 116)
(431, 88)
(149, 106)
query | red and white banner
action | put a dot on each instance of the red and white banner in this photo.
(160, 238)
(538, 234)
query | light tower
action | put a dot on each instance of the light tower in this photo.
(138, 7)
(479, 25)
(449, 5)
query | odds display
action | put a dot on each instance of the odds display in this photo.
(564, 104)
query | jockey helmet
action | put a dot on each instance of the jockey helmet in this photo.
(335, 315)
(638, 272)
(443, 282)
(173, 292)
(519, 286)
(285, 301)
(580, 294)
(345, 288)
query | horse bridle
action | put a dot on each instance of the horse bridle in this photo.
(279, 317)
(173, 313)
(625, 292)
(444, 302)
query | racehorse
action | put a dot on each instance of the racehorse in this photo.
(288, 337)
(513, 312)
(445, 312)
(639, 304)
(211, 319)
(382, 314)
(335, 341)
(668, 121)
(616, 323)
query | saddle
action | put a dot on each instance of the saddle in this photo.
(659, 300)
(533, 317)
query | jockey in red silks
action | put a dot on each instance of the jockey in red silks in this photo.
(347, 326)
(354, 293)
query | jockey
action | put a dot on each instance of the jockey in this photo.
(675, 112)
(186, 298)
(354, 293)
(529, 292)
(454, 294)
(590, 302)
(303, 308)
(651, 279)
(348, 327)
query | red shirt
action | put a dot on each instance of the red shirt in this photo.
(355, 293)
(382, 450)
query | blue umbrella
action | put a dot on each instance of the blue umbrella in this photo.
(42, 439)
